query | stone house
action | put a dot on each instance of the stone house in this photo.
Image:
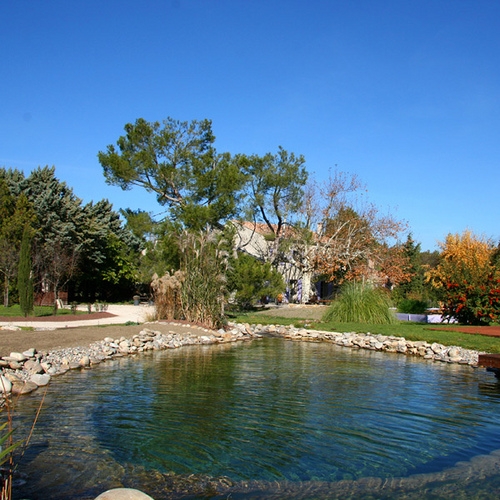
(258, 240)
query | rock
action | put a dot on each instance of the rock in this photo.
(13, 378)
(25, 387)
(30, 353)
(40, 379)
(401, 347)
(124, 346)
(5, 385)
(437, 348)
(84, 361)
(33, 366)
(123, 494)
(17, 356)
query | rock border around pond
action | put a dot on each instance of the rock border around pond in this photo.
(24, 372)
(377, 342)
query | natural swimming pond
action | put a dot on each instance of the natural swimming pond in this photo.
(266, 419)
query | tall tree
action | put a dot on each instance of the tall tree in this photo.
(275, 188)
(24, 275)
(58, 239)
(15, 213)
(109, 255)
(353, 237)
(273, 195)
(412, 287)
(176, 161)
(8, 247)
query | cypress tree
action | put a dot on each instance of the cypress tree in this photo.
(24, 278)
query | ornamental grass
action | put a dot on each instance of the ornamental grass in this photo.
(361, 303)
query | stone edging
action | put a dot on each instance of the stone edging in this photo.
(385, 343)
(22, 373)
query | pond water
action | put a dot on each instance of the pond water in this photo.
(267, 419)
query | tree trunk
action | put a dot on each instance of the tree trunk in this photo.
(56, 297)
(6, 292)
(24, 280)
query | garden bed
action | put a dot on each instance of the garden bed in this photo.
(489, 331)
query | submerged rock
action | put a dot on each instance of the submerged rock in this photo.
(123, 494)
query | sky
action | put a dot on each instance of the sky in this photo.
(405, 94)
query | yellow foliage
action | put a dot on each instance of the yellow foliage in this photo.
(464, 251)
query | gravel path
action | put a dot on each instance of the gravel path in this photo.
(64, 332)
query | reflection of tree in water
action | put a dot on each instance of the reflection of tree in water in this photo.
(211, 403)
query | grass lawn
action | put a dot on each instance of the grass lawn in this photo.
(410, 331)
(15, 311)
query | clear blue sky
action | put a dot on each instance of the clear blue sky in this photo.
(403, 93)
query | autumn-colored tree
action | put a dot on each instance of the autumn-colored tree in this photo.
(353, 239)
(468, 279)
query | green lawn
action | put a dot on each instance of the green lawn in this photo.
(15, 310)
(410, 331)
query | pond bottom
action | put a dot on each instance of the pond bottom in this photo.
(477, 478)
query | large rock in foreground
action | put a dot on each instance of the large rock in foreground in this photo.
(123, 494)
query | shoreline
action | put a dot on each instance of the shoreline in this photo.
(26, 369)
(41, 367)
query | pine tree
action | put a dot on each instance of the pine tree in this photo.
(24, 279)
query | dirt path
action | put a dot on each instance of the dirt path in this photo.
(47, 340)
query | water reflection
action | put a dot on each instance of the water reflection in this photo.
(258, 420)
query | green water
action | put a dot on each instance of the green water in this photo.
(268, 419)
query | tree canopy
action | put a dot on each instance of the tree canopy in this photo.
(177, 162)
(84, 246)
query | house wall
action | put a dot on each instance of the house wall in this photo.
(299, 283)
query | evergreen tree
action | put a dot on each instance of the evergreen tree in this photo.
(178, 162)
(15, 213)
(413, 289)
(274, 193)
(251, 279)
(109, 255)
(24, 275)
(59, 230)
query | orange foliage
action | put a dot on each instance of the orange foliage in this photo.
(468, 278)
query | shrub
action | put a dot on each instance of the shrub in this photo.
(250, 280)
(468, 277)
(197, 292)
(412, 306)
(361, 303)
(167, 292)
